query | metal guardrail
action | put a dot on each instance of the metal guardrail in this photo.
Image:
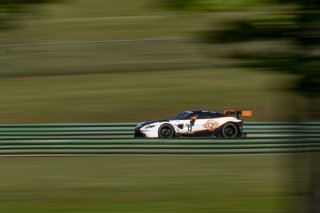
(117, 138)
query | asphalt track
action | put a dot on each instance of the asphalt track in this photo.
(117, 138)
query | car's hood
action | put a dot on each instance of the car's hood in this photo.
(140, 125)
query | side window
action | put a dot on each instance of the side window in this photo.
(218, 115)
(191, 115)
(206, 115)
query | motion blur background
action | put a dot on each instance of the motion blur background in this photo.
(113, 61)
(129, 61)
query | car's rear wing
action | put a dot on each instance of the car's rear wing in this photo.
(238, 113)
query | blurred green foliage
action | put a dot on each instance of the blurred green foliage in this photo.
(11, 9)
(293, 25)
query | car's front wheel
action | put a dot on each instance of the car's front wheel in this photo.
(229, 130)
(166, 131)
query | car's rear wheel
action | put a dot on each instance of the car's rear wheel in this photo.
(166, 131)
(229, 130)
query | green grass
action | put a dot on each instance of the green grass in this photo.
(233, 183)
(122, 97)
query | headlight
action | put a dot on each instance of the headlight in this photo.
(151, 126)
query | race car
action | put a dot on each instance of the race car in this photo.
(195, 123)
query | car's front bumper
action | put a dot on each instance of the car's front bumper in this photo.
(138, 134)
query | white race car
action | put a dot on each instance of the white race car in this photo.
(195, 123)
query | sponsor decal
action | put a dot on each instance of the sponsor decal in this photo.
(189, 126)
(211, 125)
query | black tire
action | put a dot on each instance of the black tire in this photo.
(166, 131)
(230, 130)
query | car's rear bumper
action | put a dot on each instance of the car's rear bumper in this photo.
(243, 135)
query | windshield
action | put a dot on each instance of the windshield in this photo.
(181, 116)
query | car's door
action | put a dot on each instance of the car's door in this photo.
(187, 125)
(198, 123)
(204, 124)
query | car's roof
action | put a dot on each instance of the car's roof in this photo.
(197, 110)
